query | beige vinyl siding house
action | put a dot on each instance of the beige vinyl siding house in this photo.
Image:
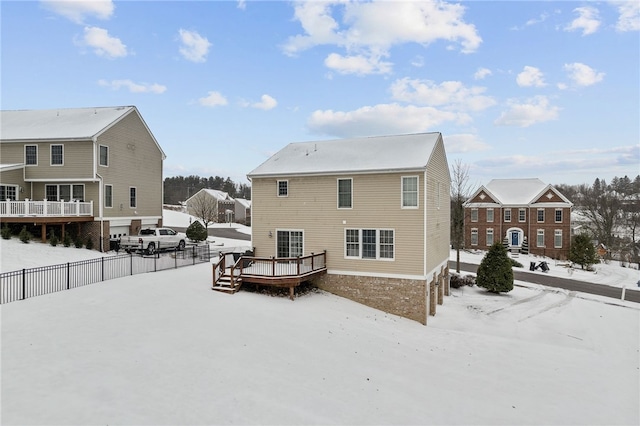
(378, 206)
(105, 158)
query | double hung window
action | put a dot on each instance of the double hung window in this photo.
(57, 155)
(283, 188)
(410, 191)
(370, 244)
(31, 155)
(345, 193)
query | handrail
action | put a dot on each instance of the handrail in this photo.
(279, 266)
(45, 208)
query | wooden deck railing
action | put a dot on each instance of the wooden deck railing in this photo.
(25, 208)
(247, 267)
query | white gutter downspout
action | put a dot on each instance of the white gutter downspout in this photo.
(426, 255)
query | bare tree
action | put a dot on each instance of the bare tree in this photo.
(460, 191)
(601, 208)
(203, 207)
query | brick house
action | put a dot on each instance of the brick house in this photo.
(525, 214)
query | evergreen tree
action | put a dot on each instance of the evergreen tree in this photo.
(196, 232)
(583, 252)
(53, 239)
(495, 273)
(6, 232)
(25, 236)
(66, 241)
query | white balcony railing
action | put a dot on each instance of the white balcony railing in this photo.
(29, 208)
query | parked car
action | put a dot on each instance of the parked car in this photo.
(150, 240)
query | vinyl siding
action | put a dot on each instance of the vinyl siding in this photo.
(438, 209)
(134, 161)
(311, 206)
(14, 177)
(76, 159)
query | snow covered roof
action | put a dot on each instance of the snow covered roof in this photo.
(245, 203)
(218, 195)
(516, 191)
(368, 154)
(65, 123)
(8, 167)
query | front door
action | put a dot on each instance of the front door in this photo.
(515, 239)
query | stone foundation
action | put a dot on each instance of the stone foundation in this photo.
(403, 297)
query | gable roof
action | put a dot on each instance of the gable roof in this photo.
(63, 124)
(368, 154)
(244, 202)
(518, 192)
(218, 195)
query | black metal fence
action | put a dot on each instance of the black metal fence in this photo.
(25, 283)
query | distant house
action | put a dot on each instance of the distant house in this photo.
(218, 203)
(525, 214)
(379, 208)
(97, 168)
(243, 211)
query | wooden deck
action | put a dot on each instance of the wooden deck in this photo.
(287, 272)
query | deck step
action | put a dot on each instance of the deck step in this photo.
(224, 285)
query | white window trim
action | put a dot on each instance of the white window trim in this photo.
(505, 215)
(538, 216)
(100, 155)
(540, 232)
(525, 215)
(490, 232)
(278, 188)
(417, 178)
(555, 236)
(51, 154)
(105, 196)
(474, 210)
(556, 215)
(289, 230)
(16, 189)
(474, 231)
(360, 244)
(130, 206)
(25, 155)
(338, 194)
(492, 214)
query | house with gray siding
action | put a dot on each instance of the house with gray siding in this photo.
(377, 206)
(98, 170)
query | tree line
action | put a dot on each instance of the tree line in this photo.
(179, 188)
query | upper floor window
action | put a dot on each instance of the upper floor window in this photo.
(558, 215)
(104, 155)
(31, 155)
(133, 199)
(283, 188)
(345, 193)
(108, 195)
(474, 215)
(64, 192)
(507, 215)
(522, 215)
(57, 155)
(489, 215)
(410, 191)
(540, 215)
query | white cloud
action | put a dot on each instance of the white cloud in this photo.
(134, 87)
(533, 111)
(543, 17)
(378, 120)
(103, 44)
(583, 75)
(242, 4)
(531, 76)
(266, 103)
(450, 94)
(357, 64)
(213, 99)
(482, 73)
(588, 20)
(629, 19)
(464, 142)
(76, 11)
(194, 47)
(369, 29)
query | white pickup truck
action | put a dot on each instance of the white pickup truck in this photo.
(150, 240)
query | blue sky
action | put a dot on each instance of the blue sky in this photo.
(518, 89)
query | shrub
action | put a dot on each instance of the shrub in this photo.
(5, 232)
(78, 242)
(66, 241)
(458, 281)
(53, 239)
(495, 273)
(25, 236)
(583, 252)
(89, 244)
(197, 232)
(515, 263)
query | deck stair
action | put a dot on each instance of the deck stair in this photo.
(226, 284)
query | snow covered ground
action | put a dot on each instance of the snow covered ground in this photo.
(163, 349)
